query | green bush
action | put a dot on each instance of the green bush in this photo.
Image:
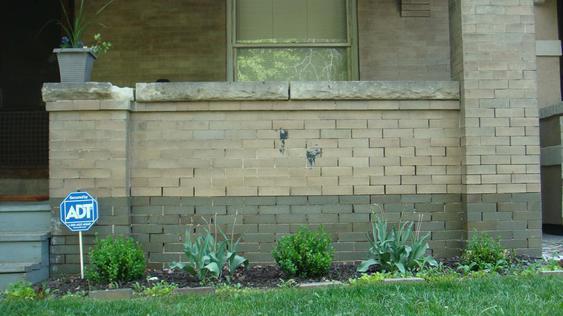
(399, 249)
(21, 290)
(116, 260)
(484, 253)
(305, 254)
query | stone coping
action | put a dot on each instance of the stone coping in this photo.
(374, 90)
(175, 92)
(552, 110)
(212, 91)
(53, 92)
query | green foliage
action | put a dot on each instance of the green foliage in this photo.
(43, 292)
(100, 46)
(209, 257)
(306, 253)
(528, 271)
(488, 296)
(21, 290)
(287, 284)
(234, 291)
(75, 24)
(399, 249)
(484, 253)
(439, 274)
(551, 265)
(159, 289)
(366, 279)
(116, 260)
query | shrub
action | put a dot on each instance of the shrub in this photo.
(210, 257)
(116, 260)
(399, 249)
(484, 253)
(21, 290)
(305, 254)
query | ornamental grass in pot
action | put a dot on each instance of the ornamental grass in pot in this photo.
(76, 60)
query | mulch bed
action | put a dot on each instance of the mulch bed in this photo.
(259, 276)
(266, 276)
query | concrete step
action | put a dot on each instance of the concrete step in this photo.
(24, 247)
(25, 216)
(14, 272)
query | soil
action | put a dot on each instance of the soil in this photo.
(266, 276)
(259, 276)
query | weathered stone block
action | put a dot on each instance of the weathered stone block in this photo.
(211, 91)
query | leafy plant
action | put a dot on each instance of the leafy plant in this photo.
(306, 253)
(399, 249)
(287, 284)
(116, 259)
(366, 279)
(21, 290)
(208, 257)
(75, 29)
(161, 288)
(484, 253)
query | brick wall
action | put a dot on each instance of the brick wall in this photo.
(176, 40)
(240, 154)
(186, 41)
(403, 48)
(157, 167)
(408, 162)
(499, 110)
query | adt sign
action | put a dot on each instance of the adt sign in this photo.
(79, 211)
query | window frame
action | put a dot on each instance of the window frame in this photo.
(351, 45)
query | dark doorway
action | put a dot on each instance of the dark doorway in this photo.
(28, 34)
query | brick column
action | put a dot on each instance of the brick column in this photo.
(493, 57)
(88, 151)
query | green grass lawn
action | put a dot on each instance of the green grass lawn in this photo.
(534, 295)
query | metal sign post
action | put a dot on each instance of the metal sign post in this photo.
(81, 255)
(79, 212)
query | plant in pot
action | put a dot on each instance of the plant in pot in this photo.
(75, 58)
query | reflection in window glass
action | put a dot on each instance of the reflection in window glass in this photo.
(282, 64)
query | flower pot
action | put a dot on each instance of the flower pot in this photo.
(75, 64)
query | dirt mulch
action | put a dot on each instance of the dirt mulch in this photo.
(259, 276)
(267, 276)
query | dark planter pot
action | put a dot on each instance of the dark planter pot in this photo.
(75, 64)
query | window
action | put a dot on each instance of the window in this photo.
(284, 40)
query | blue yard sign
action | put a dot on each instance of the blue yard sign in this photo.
(79, 211)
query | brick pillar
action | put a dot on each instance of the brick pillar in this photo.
(493, 58)
(88, 151)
